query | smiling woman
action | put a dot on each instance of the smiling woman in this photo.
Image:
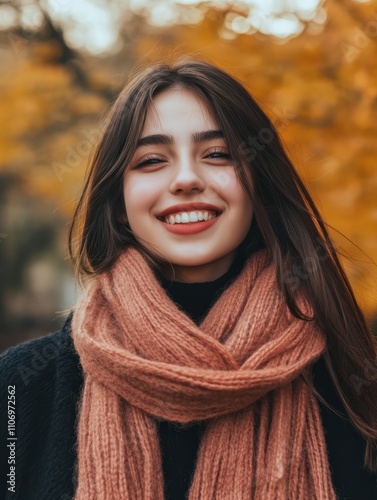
(218, 350)
(185, 142)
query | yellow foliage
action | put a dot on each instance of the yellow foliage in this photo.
(319, 90)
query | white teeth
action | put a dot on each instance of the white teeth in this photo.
(193, 217)
(185, 217)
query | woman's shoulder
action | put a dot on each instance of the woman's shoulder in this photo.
(39, 358)
(40, 386)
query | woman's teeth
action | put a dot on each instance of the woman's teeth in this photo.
(187, 217)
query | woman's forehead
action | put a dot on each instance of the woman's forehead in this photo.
(178, 105)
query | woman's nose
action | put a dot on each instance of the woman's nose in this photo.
(186, 176)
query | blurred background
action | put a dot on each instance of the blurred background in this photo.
(311, 65)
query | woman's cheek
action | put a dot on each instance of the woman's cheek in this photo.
(136, 191)
(222, 179)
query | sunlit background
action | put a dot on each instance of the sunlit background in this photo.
(311, 65)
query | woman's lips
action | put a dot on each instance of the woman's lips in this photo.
(189, 227)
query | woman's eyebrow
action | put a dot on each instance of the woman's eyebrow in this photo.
(196, 137)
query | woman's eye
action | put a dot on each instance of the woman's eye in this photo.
(220, 154)
(154, 161)
(148, 161)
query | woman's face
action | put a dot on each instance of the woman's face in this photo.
(184, 166)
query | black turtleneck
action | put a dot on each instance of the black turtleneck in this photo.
(196, 299)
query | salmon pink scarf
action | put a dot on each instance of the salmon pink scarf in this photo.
(241, 371)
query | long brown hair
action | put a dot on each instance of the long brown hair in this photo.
(286, 221)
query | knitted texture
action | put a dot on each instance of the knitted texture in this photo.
(240, 370)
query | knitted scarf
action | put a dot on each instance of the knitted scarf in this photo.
(241, 370)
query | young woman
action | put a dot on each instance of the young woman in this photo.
(217, 351)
